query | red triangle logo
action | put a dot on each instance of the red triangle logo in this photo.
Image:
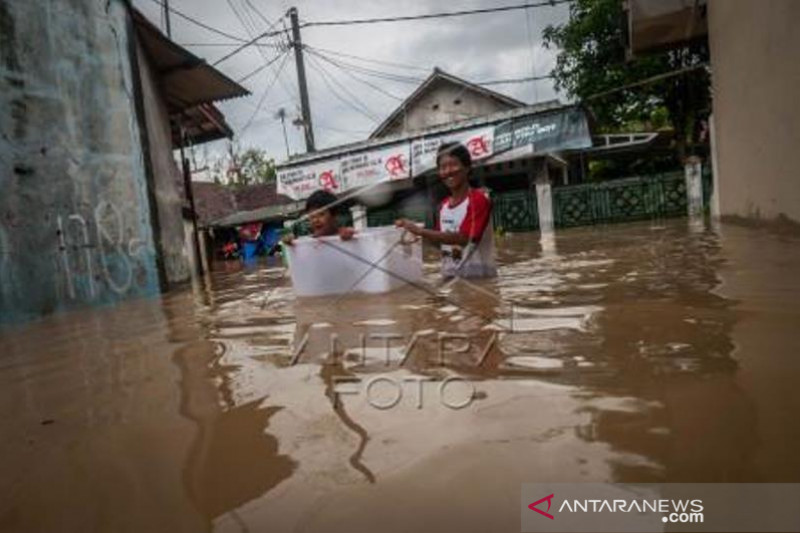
(549, 499)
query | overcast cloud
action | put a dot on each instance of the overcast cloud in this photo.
(477, 48)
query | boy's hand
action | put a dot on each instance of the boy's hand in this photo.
(288, 238)
(346, 233)
(407, 225)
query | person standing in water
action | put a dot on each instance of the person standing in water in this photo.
(464, 226)
(321, 211)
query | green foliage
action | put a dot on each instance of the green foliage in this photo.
(255, 167)
(592, 60)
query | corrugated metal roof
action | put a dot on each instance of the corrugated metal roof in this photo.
(186, 79)
(201, 124)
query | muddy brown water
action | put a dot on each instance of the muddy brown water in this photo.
(640, 352)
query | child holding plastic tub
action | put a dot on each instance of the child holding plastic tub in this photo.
(322, 218)
(464, 227)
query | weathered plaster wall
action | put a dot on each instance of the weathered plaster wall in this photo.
(755, 57)
(74, 219)
(166, 177)
(445, 102)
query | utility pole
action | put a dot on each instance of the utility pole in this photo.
(281, 114)
(301, 80)
(166, 18)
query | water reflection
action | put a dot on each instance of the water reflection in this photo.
(645, 352)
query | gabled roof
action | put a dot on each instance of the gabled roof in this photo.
(436, 76)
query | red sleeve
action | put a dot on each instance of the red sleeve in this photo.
(478, 212)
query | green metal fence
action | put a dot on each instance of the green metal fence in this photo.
(620, 200)
(515, 211)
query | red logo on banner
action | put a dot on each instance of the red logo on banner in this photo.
(396, 166)
(478, 146)
(549, 499)
(327, 181)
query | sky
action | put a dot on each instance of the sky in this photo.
(347, 105)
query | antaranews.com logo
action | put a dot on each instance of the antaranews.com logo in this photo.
(657, 507)
(672, 511)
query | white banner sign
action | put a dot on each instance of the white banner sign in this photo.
(383, 164)
(299, 182)
(479, 142)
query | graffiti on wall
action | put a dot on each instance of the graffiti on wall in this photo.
(96, 253)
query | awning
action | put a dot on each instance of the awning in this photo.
(186, 80)
(524, 132)
(659, 24)
(201, 124)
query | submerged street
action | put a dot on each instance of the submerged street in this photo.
(643, 352)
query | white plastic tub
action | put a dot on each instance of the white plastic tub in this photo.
(371, 262)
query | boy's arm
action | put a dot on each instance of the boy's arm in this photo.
(438, 237)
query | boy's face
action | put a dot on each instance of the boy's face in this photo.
(322, 222)
(452, 172)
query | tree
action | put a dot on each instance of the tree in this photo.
(592, 61)
(249, 167)
(256, 167)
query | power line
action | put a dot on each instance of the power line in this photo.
(409, 79)
(264, 95)
(363, 81)
(260, 45)
(262, 67)
(372, 72)
(199, 23)
(251, 28)
(370, 60)
(257, 12)
(516, 80)
(355, 104)
(247, 44)
(647, 81)
(549, 3)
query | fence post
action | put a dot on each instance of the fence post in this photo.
(692, 172)
(359, 213)
(544, 198)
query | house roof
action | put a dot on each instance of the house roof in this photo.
(212, 201)
(439, 75)
(186, 79)
(218, 205)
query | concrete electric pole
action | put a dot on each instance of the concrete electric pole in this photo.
(301, 80)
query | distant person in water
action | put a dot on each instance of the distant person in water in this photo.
(322, 217)
(464, 226)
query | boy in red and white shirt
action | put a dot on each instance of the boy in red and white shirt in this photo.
(464, 228)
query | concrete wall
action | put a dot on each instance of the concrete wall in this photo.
(755, 56)
(438, 106)
(74, 219)
(167, 178)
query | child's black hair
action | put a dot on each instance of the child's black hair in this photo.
(321, 199)
(457, 150)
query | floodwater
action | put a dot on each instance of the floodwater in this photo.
(642, 352)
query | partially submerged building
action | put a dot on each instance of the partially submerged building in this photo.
(93, 102)
(755, 72)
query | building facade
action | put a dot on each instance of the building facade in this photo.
(91, 205)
